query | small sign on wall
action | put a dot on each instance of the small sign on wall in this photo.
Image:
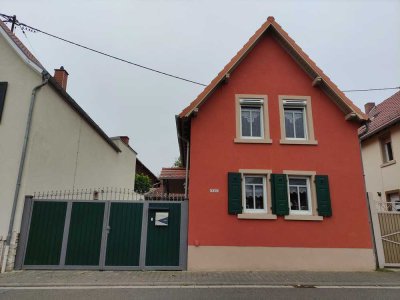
(214, 190)
(161, 218)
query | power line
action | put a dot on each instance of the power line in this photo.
(30, 28)
(14, 21)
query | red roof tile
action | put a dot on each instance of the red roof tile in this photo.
(20, 45)
(382, 115)
(247, 48)
(173, 173)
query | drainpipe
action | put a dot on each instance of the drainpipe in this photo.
(22, 160)
(187, 169)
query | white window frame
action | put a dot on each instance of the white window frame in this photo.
(252, 102)
(308, 212)
(296, 104)
(254, 210)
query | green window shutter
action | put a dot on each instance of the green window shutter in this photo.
(280, 202)
(323, 196)
(234, 193)
(3, 90)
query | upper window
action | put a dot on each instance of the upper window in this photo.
(252, 119)
(299, 195)
(254, 193)
(3, 90)
(296, 120)
(387, 151)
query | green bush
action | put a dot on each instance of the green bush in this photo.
(142, 183)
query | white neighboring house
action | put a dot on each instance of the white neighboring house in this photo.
(57, 147)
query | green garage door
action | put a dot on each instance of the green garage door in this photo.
(125, 227)
(85, 231)
(46, 233)
(163, 234)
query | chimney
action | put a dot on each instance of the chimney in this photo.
(125, 139)
(369, 106)
(61, 76)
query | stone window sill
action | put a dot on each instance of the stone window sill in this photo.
(389, 163)
(252, 141)
(303, 218)
(299, 142)
(257, 216)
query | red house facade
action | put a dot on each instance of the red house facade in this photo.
(275, 170)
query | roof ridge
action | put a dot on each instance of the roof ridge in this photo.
(248, 47)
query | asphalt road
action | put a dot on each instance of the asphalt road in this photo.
(184, 292)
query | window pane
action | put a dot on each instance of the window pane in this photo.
(289, 126)
(303, 198)
(259, 197)
(299, 124)
(246, 123)
(389, 151)
(297, 181)
(256, 125)
(249, 197)
(253, 180)
(294, 203)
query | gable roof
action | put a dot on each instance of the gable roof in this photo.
(32, 61)
(173, 173)
(298, 54)
(382, 116)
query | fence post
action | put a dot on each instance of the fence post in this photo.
(377, 232)
(24, 233)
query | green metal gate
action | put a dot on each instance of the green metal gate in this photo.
(105, 235)
(163, 239)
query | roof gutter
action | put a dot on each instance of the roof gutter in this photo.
(45, 80)
(367, 135)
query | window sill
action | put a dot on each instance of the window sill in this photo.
(252, 141)
(303, 218)
(257, 216)
(299, 142)
(389, 163)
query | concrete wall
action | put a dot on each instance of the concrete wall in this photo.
(64, 152)
(379, 177)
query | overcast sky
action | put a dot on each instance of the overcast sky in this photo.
(356, 43)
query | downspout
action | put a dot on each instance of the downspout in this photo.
(187, 169)
(23, 155)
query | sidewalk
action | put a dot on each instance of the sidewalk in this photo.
(164, 278)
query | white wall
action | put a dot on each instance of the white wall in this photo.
(64, 151)
(381, 178)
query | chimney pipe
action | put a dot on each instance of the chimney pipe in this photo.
(61, 76)
(125, 139)
(369, 106)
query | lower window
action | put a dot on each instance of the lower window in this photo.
(254, 193)
(393, 200)
(299, 195)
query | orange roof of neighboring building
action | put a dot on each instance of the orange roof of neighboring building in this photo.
(270, 23)
(173, 173)
(382, 116)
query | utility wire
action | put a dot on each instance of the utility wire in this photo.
(22, 25)
(33, 29)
